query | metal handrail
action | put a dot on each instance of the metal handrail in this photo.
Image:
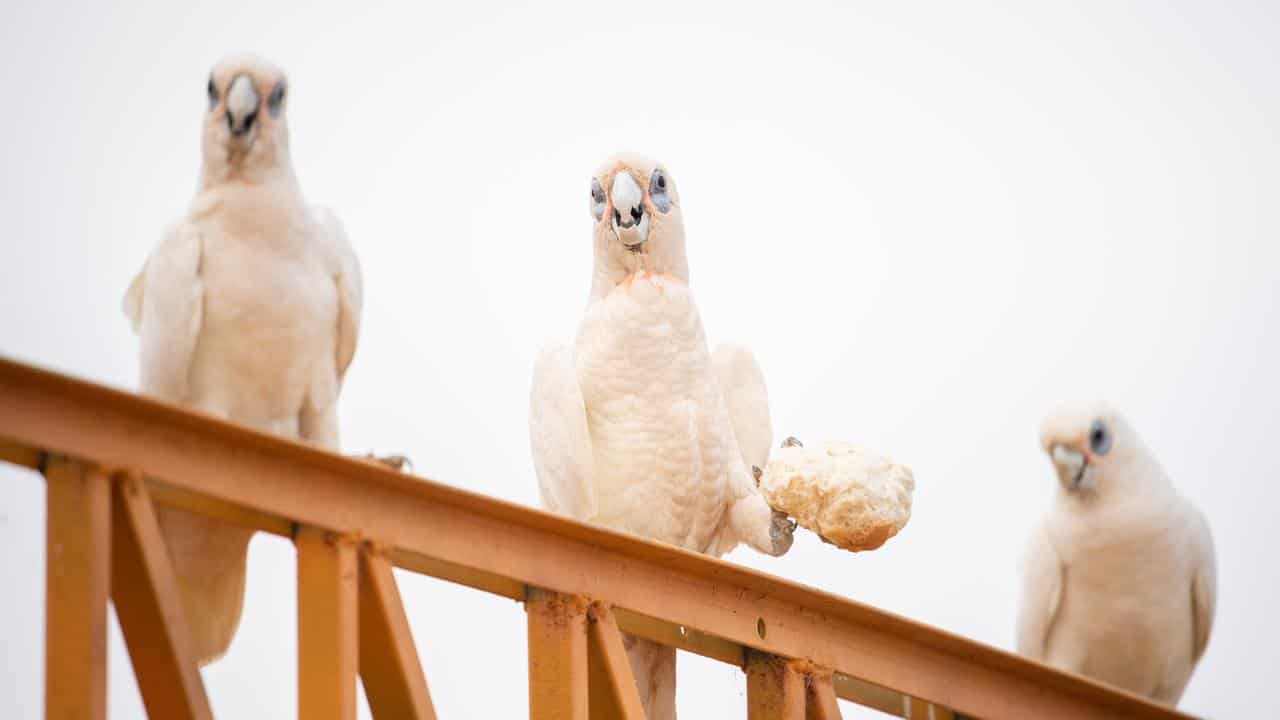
(344, 513)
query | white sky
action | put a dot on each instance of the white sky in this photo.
(932, 224)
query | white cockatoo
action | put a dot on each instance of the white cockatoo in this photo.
(1120, 581)
(636, 426)
(248, 309)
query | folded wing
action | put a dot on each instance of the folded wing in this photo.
(558, 433)
(742, 385)
(165, 304)
(350, 286)
(1041, 593)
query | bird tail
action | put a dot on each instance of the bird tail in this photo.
(210, 561)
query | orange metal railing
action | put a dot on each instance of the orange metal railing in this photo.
(109, 457)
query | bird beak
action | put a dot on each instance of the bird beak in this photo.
(1072, 466)
(242, 109)
(630, 219)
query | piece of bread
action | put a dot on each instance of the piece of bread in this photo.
(848, 495)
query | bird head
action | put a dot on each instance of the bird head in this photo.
(1093, 449)
(245, 133)
(638, 224)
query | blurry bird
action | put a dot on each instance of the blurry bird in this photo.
(1120, 581)
(637, 426)
(248, 309)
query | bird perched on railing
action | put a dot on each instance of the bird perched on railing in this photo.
(637, 426)
(249, 309)
(1120, 581)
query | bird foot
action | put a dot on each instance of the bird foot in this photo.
(757, 473)
(399, 463)
(782, 531)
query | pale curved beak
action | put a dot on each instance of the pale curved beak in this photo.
(1072, 467)
(242, 106)
(630, 219)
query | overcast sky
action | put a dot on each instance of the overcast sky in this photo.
(932, 224)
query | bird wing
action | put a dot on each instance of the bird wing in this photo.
(1204, 584)
(750, 518)
(742, 386)
(350, 285)
(165, 304)
(1041, 594)
(562, 453)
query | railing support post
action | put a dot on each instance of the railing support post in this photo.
(149, 606)
(389, 665)
(820, 697)
(613, 693)
(775, 688)
(77, 582)
(327, 625)
(557, 656)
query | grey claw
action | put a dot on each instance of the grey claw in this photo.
(792, 442)
(401, 463)
(757, 472)
(782, 532)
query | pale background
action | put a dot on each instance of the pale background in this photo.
(933, 224)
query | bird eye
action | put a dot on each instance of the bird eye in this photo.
(1099, 438)
(276, 99)
(212, 90)
(658, 191)
(597, 199)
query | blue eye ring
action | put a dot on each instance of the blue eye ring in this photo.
(1100, 438)
(659, 191)
(276, 100)
(597, 199)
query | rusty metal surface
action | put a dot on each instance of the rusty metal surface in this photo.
(558, 679)
(775, 688)
(502, 547)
